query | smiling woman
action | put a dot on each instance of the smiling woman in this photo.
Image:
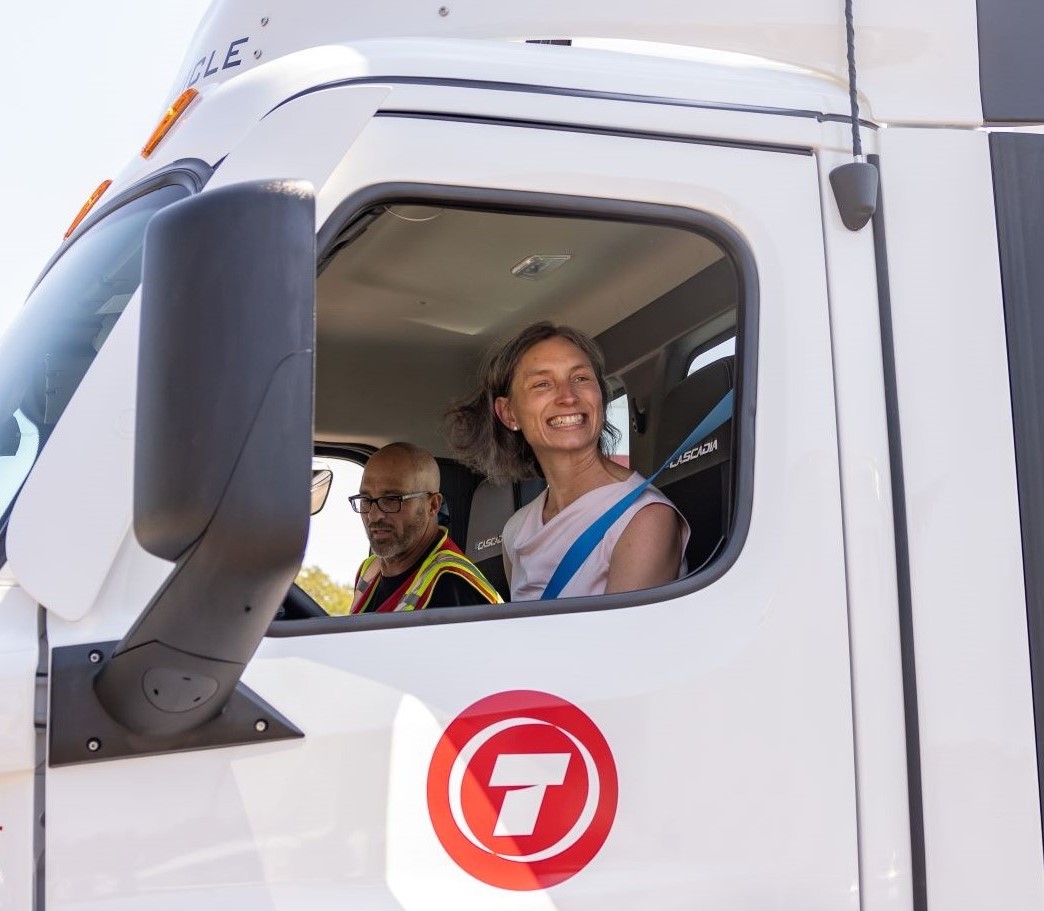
(541, 408)
(485, 430)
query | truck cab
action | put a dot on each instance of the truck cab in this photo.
(835, 707)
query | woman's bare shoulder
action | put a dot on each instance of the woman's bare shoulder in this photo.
(649, 550)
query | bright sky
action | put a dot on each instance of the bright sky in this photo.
(85, 85)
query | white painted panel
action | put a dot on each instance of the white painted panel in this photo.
(917, 61)
(978, 759)
(19, 651)
(303, 139)
(19, 654)
(866, 492)
(17, 864)
(728, 710)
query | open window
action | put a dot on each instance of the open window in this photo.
(336, 541)
(711, 352)
(411, 293)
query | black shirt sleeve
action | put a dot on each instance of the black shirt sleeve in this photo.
(452, 590)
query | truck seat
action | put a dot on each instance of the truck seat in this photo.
(457, 487)
(699, 482)
(493, 503)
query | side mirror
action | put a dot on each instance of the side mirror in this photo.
(322, 478)
(223, 445)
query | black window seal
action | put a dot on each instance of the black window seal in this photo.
(903, 578)
(735, 248)
(493, 85)
(591, 130)
(1011, 69)
(191, 173)
(352, 452)
(1015, 163)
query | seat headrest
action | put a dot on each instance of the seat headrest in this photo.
(458, 483)
(684, 407)
(492, 505)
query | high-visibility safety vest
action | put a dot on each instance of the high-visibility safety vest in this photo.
(416, 591)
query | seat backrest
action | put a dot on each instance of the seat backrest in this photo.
(698, 481)
(457, 486)
(491, 506)
(493, 503)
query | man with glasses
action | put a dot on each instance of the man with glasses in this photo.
(414, 563)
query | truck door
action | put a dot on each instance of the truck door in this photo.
(688, 746)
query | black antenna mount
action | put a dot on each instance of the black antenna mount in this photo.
(855, 184)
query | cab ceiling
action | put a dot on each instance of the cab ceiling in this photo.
(407, 307)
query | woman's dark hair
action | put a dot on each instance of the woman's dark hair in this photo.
(476, 433)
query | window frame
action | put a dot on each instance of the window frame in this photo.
(356, 455)
(190, 173)
(735, 248)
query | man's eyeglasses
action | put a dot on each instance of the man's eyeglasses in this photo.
(390, 503)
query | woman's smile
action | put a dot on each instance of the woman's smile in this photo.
(566, 421)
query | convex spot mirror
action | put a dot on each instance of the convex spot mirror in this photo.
(322, 478)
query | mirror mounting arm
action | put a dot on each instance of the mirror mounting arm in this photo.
(223, 446)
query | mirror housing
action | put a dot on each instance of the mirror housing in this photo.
(223, 445)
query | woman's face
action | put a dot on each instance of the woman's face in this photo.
(554, 399)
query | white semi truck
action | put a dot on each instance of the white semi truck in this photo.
(842, 706)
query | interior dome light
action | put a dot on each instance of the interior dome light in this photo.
(540, 264)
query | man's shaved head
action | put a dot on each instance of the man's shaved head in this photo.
(403, 536)
(415, 466)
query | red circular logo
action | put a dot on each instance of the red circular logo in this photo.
(522, 790)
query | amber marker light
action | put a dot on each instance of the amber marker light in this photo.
(169, 119)
(87, 206)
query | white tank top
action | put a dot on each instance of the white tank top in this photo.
(535, 549)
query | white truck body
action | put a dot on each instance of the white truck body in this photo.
(837, 712)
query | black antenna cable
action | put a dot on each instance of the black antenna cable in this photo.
(855, 183)
(853, 96)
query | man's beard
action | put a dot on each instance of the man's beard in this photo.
(397, 542)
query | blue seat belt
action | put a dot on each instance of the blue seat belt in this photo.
(586, 541)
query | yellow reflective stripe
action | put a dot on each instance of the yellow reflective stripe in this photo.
(364, 587)
(423, 573)
(365, 568)
(463, 567)
(436, 563)
(448, 561)
(478, 582)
